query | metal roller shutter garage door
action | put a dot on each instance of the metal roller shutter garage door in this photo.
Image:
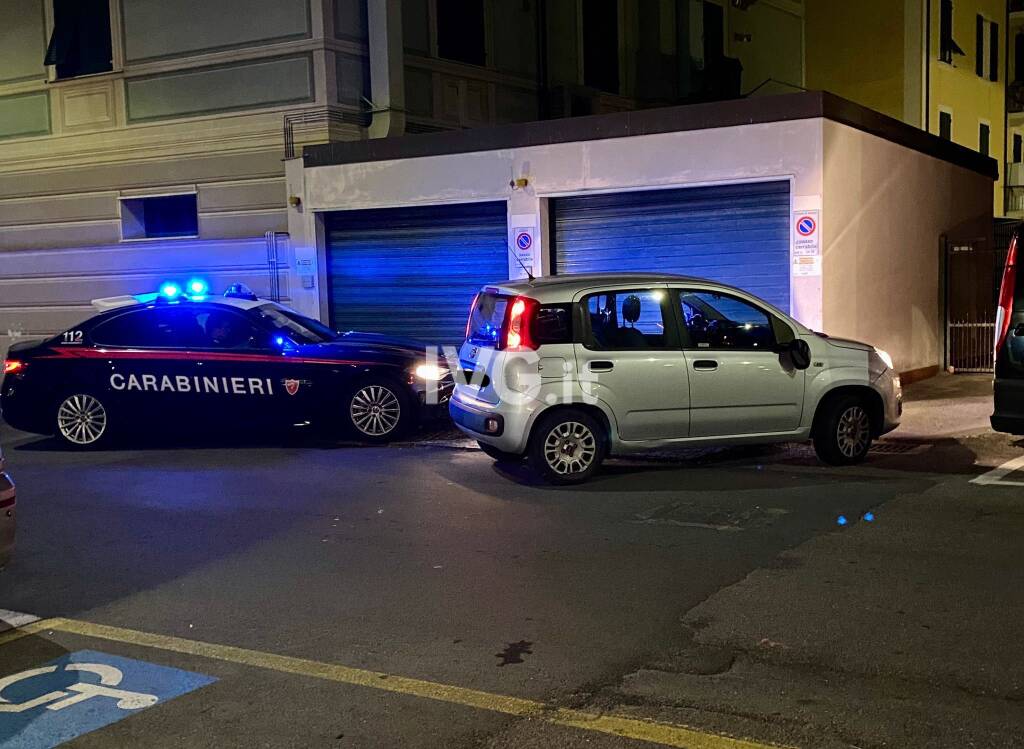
(413, 272)
(735, 234)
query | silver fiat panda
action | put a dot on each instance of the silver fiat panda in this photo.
(565, 370)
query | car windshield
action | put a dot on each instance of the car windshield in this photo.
(299, 328)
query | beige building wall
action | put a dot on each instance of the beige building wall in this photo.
(885, 211)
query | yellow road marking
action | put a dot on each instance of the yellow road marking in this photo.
(665, 734)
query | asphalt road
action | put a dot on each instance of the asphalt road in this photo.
(716, 591)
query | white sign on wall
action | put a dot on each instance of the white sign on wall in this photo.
(806, 233)
(523, 245)
(807, 265)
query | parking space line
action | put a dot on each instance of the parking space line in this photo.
(997, 476)
(665, 734)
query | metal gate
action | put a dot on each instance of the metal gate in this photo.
(973, 272)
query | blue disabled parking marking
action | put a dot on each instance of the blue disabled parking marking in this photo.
(46, 705)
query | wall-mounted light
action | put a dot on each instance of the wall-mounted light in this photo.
(518, 183)
(294, 201)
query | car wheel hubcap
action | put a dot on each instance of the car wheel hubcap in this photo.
(375, 410)
(570, 448)
(81, 419)
(854, 431)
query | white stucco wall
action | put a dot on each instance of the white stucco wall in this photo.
(784, 150)
(885, 210)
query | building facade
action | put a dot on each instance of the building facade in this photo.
(939, 65)
(141, 139)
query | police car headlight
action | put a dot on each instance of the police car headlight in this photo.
(884, 356)
(431, 372)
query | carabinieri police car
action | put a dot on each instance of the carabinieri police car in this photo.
(180, 357)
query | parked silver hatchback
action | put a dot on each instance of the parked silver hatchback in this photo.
(566, 370)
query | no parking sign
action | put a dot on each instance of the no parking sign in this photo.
(805, 233)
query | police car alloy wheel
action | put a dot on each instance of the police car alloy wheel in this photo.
(376, 411)
(82, 420)
(567, 446)
(844, 436)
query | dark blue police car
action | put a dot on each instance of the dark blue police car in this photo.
(183, 357)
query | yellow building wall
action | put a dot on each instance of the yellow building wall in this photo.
(855, 50)
(958, 88)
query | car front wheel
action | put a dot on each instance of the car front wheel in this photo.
(82, 421)
(567, 446)
(378, 411)
(844, 434)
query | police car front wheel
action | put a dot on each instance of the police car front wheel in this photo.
(378, 411)
(82, 420)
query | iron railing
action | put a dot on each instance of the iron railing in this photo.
(970, 346)
(327, 116)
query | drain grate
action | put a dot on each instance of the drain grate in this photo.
(898, 448)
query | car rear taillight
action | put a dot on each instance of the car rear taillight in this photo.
(517, 334)
(13, 366)
(1006, 293)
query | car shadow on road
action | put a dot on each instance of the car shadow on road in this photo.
(668, 471)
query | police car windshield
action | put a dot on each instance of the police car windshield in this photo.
(299, 328)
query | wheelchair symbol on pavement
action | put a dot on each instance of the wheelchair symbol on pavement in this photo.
(109, 676)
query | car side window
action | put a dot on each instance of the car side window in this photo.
(171, 327)
(626, 320)
(225, 329)
(720, 321)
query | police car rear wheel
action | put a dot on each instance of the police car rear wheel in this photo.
(378, 411)
(82, 420)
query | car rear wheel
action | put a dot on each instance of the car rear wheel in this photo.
(379, 411)
(844, 433)
(82, 421)
(567, 446)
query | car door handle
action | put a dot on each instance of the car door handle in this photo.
(601, 366)
(705, 365)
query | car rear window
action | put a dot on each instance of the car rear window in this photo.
(486, 318)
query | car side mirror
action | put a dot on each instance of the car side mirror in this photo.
(799, 353)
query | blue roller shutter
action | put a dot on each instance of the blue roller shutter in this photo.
(735, 234)
(413, 272)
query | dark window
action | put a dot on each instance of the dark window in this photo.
(718, 321)
(1018, 57)
(984, 134)
(226, 329)
(601, 44)
(714, 33)
(1018, 148)
(80, 43)
(460, 31)
(169, 327)
(946, 125)
(486, 318)
(993, 52)
(979, 62)
(947, 45)
(159, 217)
(626, 320)
(552, 324)
(298, 328)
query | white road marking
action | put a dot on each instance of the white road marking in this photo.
(996, 477)
(15, 619)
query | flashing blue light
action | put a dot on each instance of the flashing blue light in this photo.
(170, 290)
(279, 340)
(869, 517)
(198, 287)
(841, 520)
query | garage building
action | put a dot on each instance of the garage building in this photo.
(830, 211)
